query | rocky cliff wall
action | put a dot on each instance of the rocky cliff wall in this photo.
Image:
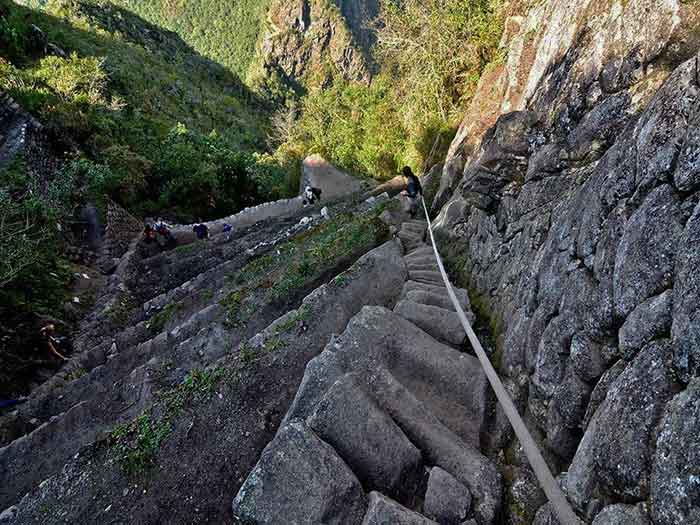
(306, 42)
(570, 204)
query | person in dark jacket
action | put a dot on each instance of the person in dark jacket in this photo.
(201, 231)
(414, 190)
(312, 195)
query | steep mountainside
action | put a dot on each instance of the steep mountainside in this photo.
(96, 101)
(224, 31)
(310, 367)
(306, 43)
(278, 45)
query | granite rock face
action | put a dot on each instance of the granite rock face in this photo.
(675, 478)
(304, 36)
(330, 491)
(570, 199)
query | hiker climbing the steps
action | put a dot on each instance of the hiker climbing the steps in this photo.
(413, 191)
(312, 195)
(53, 341)
(201, 231)
(228, 230)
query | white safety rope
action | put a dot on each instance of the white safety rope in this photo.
(550, 486)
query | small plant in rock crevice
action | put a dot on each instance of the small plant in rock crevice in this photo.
(162, 318)
(135, 444)
(198, 384)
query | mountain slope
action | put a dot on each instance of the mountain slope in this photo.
(120, 108)
(227, 32)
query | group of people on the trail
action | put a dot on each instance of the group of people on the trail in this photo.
(312, 195)
(159, 232)
(413, 191)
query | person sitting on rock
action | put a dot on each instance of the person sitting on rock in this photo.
(201, 231)
(53, 342)
(311, 195)
(413, 191)
(149, 234)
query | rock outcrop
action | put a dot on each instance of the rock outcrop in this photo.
(388, 399)
(307, 42)
(568, 206)
(569, 200)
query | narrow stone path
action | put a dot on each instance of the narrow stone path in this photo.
(385, 426)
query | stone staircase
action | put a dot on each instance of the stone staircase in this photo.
(385, 426)
(118, 366)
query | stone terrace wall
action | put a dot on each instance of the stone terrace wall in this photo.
(249, 216)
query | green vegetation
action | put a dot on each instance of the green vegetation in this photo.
(225, 31)
(207, 295)
(120, 309)
(198, 385)
(246, 353)
(171, 129)
(28, 236)
(136, 443)
(301, 261)
(160, 319)
(432, 54)
(130, 112)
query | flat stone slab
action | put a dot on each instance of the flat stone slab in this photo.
(462, 295)
(442, 324)
(436, 395)
(433, 277)
(383, 511)
(431, 299)
(422, 267)
(319, 173)
(421, 258)
(300, 478)
(366, 438)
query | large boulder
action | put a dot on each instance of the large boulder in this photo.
(301, 478)
(686, 306)
(645, 258)
(615, 455)
(622, 515)
(447, 501)
(319, 173)
(675, 480)
(366, 438)
(649, 320)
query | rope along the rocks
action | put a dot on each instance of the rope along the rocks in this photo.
(539, 466)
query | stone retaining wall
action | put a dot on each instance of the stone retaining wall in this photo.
(245, 218)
